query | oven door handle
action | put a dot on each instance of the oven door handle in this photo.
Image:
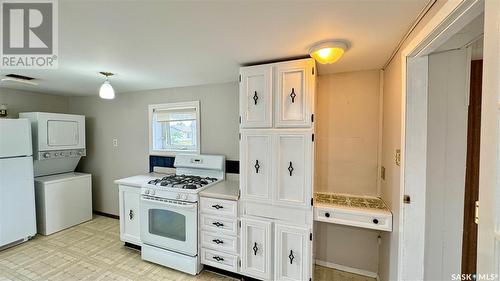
(183, 206)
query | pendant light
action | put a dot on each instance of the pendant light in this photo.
(328, 52)
(106, 91)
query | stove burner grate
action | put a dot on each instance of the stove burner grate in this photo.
(183, 181)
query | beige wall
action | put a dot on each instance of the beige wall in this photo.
(347, 133)
(391, 140)
(24, 101)
(347, 119)
(126, 119)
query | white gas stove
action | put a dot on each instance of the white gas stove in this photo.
(169, 211)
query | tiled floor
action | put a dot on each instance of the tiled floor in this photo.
(93, 251)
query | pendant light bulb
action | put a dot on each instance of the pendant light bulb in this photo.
(106, 91)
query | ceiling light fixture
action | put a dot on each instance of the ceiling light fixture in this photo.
(328, 52)
(106, 91)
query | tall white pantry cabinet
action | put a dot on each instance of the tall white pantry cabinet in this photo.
(276, 169)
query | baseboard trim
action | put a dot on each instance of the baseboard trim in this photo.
(106, 215)
(347, 269)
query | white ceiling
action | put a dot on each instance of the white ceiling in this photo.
(163, 44)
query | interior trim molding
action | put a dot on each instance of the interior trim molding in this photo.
(106, 214)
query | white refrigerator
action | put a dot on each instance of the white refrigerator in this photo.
(17, 192)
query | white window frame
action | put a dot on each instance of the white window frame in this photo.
(172, 106)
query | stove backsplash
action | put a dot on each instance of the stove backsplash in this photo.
(232, 166)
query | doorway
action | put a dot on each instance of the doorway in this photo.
(435, 142)
(469, 241)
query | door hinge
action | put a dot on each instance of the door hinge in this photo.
(239, 262)
(312, 118)
(240, 119)
(313, 137)
(239, 223)
(476, 212)
(239, 136)
(240, 78)
(313, 70)
(406, 199)
(312, 201)
(311, 236)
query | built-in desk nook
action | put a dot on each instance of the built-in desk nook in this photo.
(365, 212)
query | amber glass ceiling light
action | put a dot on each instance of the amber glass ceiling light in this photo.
(106, 91)
(328, 52)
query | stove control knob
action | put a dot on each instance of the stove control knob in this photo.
(46, 155)
(146, 191)
(185, 197)
(178, 196)
(152, 192)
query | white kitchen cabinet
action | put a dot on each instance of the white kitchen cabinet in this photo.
(129, 197)
(292, 253)
(256, 96)
(279, 95)
(293, 168)
(276, 166)
(256, 248)
(256, 165)
(294, 93)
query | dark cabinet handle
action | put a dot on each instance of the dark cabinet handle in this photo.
(217, 258)
(291, 256)
(131, 214)
(217, 241)
(255, 97)
(290, 168)
(375, 221)
(217, 206)
(293, 95)
(218, 224)
(255, 248)
(257, 166)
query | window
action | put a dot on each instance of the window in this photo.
(174, 128)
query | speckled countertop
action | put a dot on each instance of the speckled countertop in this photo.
(351, 201)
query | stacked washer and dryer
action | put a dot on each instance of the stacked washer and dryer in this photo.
(63, 197)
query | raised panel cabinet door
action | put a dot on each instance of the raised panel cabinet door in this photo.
(292, 253)
(256, 165)
(294, 168)
(256, 96)
(129, 215)
(294, 93)
(256, 248)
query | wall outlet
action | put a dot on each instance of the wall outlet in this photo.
(115, 142)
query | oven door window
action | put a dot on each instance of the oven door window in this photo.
(167, 224)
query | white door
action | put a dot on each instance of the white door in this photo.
(294, 88)
(256, 96)
(293, 168)
(292, 253)
(129, 214)
(256, 165)
(256, 248)
(488, 258)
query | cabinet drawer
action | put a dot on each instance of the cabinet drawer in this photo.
(219, 224)
(219, 242)
(219, 207)
(358, 218)
(220, 260)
